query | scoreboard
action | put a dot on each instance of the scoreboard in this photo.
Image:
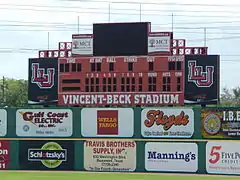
(124, 64)
(139, 80)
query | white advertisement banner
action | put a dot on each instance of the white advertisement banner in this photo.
(111, 155)
(223, 157)
(158, 44)
(82, 45)
(107, 122)
(3, 122)
(44, 122)
(167, 122)
(171, 157)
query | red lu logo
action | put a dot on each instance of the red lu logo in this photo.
(197, 76)
(40, 78)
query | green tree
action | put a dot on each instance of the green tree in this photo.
(231, 97)
(13, 92)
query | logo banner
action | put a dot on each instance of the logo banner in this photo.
(46, 155)
(4, 155)
(220, 122)
(171, 157)
(167, 123)
(43, 81)
(110, 155)
(107, 122)
(223, 158)
(82, 44)
(44, 123)
(201, 79)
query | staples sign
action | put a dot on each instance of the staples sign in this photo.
(44, 123)
(167, 123)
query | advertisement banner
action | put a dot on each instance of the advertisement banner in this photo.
(43, 81)
(223, 157)
(220, 122)
(82, 44)
(46, 155)
(4, 154)
(136, 98)
(111, 155)
(171, 157)
(3, 122)
(107, 122)
(44, 122)
(167, 123)
(159, 42)
(202, 84)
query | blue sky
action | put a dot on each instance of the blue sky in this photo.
(24, 27)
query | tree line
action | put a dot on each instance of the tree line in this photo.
(14, 93)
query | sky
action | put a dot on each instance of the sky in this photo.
(25, 24)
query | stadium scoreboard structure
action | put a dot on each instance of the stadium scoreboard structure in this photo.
(124, 64)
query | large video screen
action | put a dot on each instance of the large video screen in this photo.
(120, 39)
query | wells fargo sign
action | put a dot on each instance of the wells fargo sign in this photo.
(157, 98)
(107, 122)
(165, 122)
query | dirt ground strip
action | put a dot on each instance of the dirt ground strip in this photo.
(86, 172)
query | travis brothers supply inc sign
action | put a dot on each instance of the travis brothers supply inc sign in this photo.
(171, 157)
(156, 98)
(44, 123)
(167, 123)
(220, 122)
(111, 155)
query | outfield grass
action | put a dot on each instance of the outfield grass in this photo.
(102, 176)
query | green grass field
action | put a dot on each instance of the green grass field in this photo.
(18, 175)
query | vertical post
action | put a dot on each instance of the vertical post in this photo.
(109, 12)
(3, 90)
(205, 37)
(48, 40)
(140, 12)
(172, 21)
(78, 25)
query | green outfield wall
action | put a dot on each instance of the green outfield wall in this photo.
(156, 139)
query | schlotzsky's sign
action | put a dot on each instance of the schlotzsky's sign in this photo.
(121, 99)
(43, 122)
(167, 122)
(111, 155)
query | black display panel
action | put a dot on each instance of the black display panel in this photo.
(43, 81)
(46, 155)
(202, 84)
(120, 39)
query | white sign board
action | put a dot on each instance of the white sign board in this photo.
(82, 45)
(223, 157)
(107, 122)
(167, 122)
(44, 122)
(171, 157)
(110, 155)
(158, 44)
(3, 122)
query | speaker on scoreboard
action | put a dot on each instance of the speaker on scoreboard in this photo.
(202, 84)
(43, 81)
(120, 39)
